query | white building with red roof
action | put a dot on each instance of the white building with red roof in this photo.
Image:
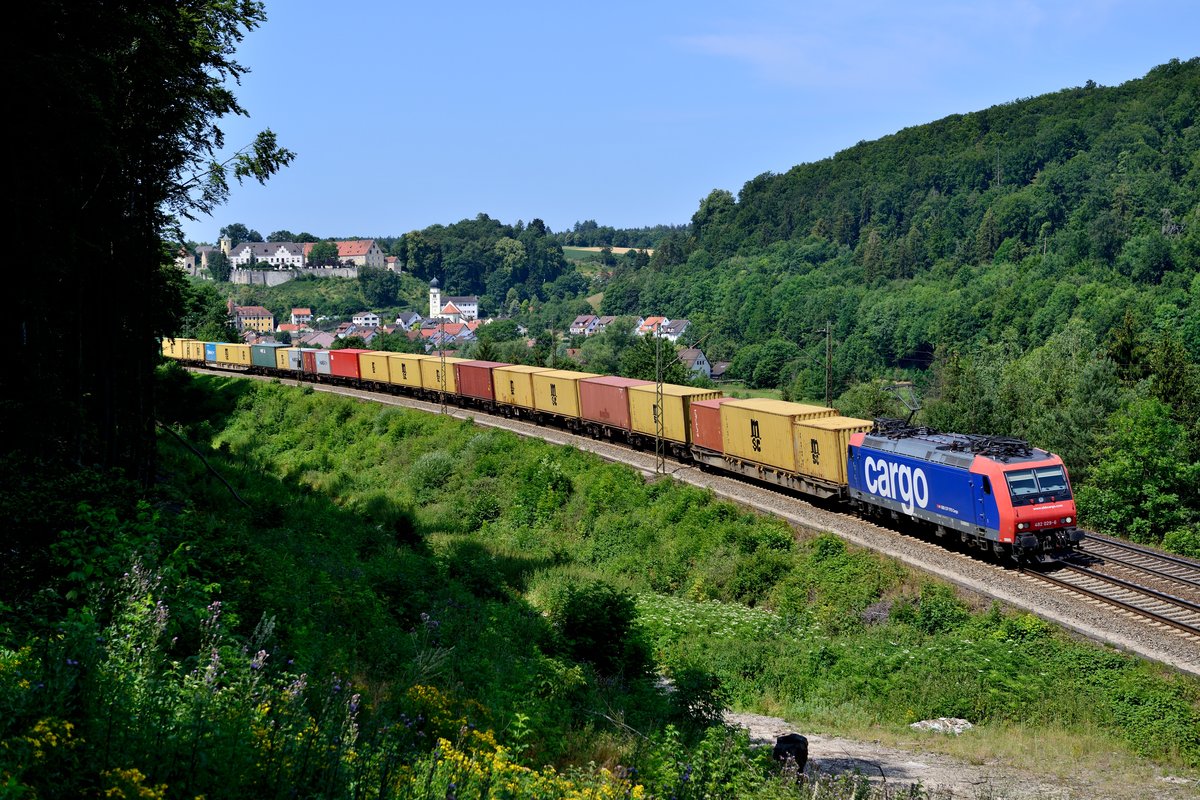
(359, 252)
(457, 309)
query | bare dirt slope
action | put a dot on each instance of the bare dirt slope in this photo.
(946, 777)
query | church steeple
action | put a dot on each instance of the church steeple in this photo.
(435, 299)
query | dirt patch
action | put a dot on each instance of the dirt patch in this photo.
(941, 776)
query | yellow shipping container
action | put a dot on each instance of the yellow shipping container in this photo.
(556, 391)
(431, 374)
(821, 445)
(282, 358)
(676, 410)
(761, 430)
(405, 369)
(193, 350)
(514, 384)
(171, 348)
(373, 366)
(233, 354)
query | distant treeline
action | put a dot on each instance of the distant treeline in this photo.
(590, 234)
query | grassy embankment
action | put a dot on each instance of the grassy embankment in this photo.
(329, 297)
(432, 579)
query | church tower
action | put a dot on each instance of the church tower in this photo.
(435, 299)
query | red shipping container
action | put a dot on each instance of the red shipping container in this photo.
(309, 360)
(706, 423)
(475, 378)
(344, 363)
(605, 400)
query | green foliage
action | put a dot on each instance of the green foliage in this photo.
(219, 266)
(504, 264)
(642, 359)
(239, 234)
(347, 342)
(380, 287)
(147, 89)
(939, 610)
(1144, 484)
(329, 297)
(598, 625)
(206, 315)
(324, 254)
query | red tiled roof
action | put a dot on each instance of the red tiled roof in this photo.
(302, 311)
(450, 308)
(354, 247)
(347, 249)
(251, 311)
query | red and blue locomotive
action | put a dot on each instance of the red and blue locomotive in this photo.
(993, 492)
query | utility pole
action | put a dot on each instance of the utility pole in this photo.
(660, 457)
(828, 364)
(442, 356)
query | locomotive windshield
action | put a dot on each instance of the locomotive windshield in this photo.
(1038, 485)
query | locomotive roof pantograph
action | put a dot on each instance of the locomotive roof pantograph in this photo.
(952, 449)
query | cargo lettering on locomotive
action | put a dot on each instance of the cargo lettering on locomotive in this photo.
(898, 482)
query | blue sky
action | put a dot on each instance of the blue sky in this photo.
(407, 114)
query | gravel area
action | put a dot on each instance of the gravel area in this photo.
(945, 777)
(1089, 618)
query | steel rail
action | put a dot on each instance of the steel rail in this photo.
(1110, 600)
(1149, 569)
(1136, 548)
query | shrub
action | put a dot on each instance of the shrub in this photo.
(430, 472)
(598, 624)
(939, 610)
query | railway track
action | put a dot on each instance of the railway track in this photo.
(1171, 569)
(1160, 607)
(1071, 603)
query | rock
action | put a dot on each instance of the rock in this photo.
(943, 725)
(791, 748)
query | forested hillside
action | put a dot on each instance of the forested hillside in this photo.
(1032, 267)
(505, 263)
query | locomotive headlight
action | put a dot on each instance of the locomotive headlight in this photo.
(1022, 526)
(1068, 520)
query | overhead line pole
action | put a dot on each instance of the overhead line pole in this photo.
(828, 364)
(442, 356)
(660, 459)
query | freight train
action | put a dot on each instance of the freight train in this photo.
(993, 493)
